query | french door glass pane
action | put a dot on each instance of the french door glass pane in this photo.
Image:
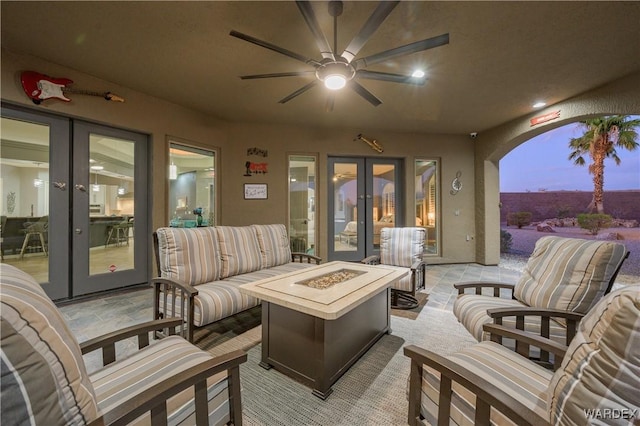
(192, 191)
(302, 203)
(345, 193)
(427, 209)
(384, 200)
(24, 202)
(111, 204)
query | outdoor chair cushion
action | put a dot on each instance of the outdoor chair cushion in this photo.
(189, 255)
(166, 358)
(601, 369)
(471, 310)
(518, 376)
(239, 250)
(401, 246)
(44, 380)
(568, 274)
(274, 244)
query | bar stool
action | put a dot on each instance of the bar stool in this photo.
(120, 232)
(35, 229)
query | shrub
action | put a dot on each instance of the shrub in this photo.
(594, 222)
(505, 241)
(519, 219)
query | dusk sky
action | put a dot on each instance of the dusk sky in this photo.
(542, 163)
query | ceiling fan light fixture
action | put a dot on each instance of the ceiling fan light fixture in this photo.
(335, 82)
(335, 74)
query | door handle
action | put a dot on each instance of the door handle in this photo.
(80, 187)
(78, 231)
(60, 185)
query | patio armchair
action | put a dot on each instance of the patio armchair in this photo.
(596, 381)
(562, 280)
(45, 380)
(402, 247)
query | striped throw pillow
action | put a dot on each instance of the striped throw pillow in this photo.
(274, 244)
(239, 249)
(568, 274)
(189, 255)
(44, 380)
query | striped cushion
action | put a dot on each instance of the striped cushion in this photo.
(471, 311)
(274, 244)
(602, 367)
(117, 383)
(189, 255)
(516, 375)
(44, 380)
(568, 274)
(239, 250)
(401, 246)
(405, 283)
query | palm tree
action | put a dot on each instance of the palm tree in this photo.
(601, 138)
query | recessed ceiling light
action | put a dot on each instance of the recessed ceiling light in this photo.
(539, 104)
(418, 74)
(97, 167)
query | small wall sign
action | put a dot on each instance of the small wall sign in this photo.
(255, 191)
(544, 118)
(252, 168)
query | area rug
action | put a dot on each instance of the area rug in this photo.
(412, 313)
(372, 391)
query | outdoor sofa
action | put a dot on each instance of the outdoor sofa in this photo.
(200, 269)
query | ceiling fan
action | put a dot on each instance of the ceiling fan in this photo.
(338, 71)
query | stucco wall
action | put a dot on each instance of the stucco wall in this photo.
(161, 119)
(618, 97)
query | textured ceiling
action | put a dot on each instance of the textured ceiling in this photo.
(502, 56)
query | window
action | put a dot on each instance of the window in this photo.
(427, 206)
(192, 191)
(302, 203)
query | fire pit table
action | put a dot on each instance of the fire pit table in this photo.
(319, 321)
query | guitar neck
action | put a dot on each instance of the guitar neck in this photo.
(107, 95)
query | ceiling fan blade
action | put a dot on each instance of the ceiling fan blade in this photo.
(298, 92)
(407, 49)
(393, 78)
(273, 47)
(310, 18)
(278, 74)
(375, 20)
(364, 93)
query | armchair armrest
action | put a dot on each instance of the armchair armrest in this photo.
(305, 258)
(479, 285)
(571, 318)
(525, 339)
(154, 399)
(568, 320)
(487, 394)
(371, 260)
(165, 287)
(107, 342)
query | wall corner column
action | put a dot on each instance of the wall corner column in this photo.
(487, 212)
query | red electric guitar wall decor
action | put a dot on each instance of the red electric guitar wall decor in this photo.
(40, 87)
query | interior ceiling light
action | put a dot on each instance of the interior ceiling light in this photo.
(335, 74)
(173, 172)
(539, 104)
(97, 167)
(418, 74)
